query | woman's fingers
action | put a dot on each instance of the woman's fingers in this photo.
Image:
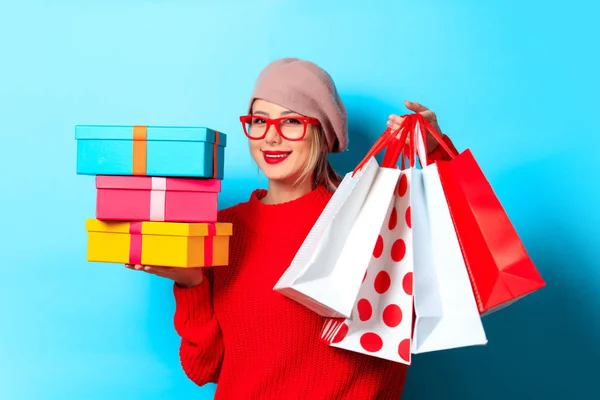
(165, 272)
(429, 116)
(394, 122)
(186, 277)
(416, 107)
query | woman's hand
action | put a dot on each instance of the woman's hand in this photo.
(184, 277)
(394, 122)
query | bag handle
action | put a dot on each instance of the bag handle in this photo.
(393, 152)
(419, 127)
(392, 141)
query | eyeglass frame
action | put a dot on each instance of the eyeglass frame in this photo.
(276, 121)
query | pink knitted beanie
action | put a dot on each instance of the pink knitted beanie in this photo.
(303, 87)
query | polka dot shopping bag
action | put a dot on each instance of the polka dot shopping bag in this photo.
(381, 321)
(416, 294)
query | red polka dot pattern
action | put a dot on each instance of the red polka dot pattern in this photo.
(402, 185)
(371, 342)
(365, 310)
(341, 334)
(393, 219)
(407, 283)
(382, 319)
(378, 250)
(392, 315)
(382, 282)
(398, 250)
(404, 350)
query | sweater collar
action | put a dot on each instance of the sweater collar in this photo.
(292, 217)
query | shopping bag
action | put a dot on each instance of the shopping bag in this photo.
(500, 269)
(309, 280)
(326, 273)
(381, 320)
(446, 313)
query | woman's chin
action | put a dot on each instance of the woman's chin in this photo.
(280, 175)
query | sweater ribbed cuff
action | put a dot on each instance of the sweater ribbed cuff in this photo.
(194, 305)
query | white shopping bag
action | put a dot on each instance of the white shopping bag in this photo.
(446, 312)
(313, 278)
(381, 320)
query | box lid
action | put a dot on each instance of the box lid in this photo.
(158, 183)
(150, 132)
(161, 228)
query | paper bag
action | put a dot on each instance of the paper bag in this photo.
(501, 271)
(381, 320)
(326, 273)
(446, 312)
(310, 278)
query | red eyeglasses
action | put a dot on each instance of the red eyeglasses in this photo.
(290, 128)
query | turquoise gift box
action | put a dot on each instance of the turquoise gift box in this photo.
(162, 151)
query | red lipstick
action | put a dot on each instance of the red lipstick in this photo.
(275, 157)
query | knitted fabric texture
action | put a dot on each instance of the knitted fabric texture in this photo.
(238, 332)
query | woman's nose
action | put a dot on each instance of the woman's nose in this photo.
(272, 135)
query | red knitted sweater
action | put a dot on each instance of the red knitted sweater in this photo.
(257, 344)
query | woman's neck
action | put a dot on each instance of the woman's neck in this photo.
(282, 192)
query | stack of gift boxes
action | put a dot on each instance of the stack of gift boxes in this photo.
(157, 191)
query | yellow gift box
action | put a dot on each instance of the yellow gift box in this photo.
(169, 244)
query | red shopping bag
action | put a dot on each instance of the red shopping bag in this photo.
(500, 269)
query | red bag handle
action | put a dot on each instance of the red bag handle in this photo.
(393, 152)
(393, 145)
(411, 151)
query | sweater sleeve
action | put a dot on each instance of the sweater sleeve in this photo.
(201, 349)
(439, 154)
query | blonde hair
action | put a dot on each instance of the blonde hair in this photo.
(318, 167)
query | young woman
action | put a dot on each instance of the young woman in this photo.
(236, 331)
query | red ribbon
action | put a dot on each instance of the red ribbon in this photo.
(208, 245)
(215, 149)
(135, 246)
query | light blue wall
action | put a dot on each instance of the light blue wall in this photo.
(517, 83)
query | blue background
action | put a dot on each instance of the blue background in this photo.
(516, 81)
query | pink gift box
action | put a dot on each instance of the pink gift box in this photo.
(144, 198)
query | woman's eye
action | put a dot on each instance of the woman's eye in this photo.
(258, 121)
(293, 121)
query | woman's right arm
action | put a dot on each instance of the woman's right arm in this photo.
(201, 349)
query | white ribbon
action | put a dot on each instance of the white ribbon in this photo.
(157, 199)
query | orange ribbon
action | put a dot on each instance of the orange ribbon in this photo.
(139, 150)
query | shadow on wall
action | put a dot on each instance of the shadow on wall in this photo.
(544, 346)
(539, 348)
